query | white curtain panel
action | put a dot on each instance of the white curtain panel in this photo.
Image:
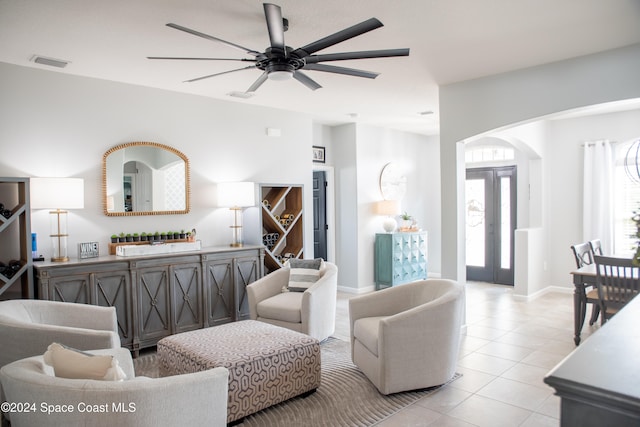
(598, 193)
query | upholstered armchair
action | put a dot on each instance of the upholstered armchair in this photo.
(312, 312)
(407, 337)
(197, 399)
(27, 327)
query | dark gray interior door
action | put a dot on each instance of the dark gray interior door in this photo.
(320, 214)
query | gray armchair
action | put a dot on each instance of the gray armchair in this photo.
(312, 312)
(407, 337)
(27, 327)
(197, 399)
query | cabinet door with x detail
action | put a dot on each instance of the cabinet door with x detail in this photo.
(220, 293)
(186, 290)
(154, 319)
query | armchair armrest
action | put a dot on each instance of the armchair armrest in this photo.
(319, 303)
(72, 314)
(35, 338)
(430, 331)
(266, 287)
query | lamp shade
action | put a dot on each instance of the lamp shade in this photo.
(236, 194)
(57, 193)
(387, 207)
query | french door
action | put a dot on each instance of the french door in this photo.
(490, 208)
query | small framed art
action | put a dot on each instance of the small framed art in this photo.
(318, 154)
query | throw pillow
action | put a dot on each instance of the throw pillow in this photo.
(303, 274)
(68, 362)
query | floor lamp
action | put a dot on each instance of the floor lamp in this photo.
(236, 196)
(58, 194)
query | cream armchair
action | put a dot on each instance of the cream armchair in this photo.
(312, 312)
(197, 399)
(27, 327)
(407, 337)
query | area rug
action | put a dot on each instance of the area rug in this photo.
(345, 396)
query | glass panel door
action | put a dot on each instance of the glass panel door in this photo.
(490, 224)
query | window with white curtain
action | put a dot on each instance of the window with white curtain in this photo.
(626, 201)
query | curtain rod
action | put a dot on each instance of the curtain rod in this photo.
(592, 143)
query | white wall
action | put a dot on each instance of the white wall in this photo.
(55, 124)
(478, 106)
(564, 167)
(360, 153)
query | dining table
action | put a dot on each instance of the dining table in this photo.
(583, 278)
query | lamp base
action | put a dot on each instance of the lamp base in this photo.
(236, 245)
(389, 224)
(59, 259)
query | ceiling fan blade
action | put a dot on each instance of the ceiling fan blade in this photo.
(341, 70)
(251, 67)
(258, 83)
(306, 80)
(275, 25)
(215, 39)
(340, 36)
(201, 59)
(313, 59)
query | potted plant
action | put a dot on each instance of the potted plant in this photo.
(114, 238)
(190, 236)
(182, 235)
(163, 235)
(156, 235)
(122, 238)
(129, 237)
(143, 236)
(136, 237)
(176, 235)
(407, 220)
(169, 235)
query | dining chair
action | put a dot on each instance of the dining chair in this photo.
(584, 256)
(618, 281)
(596, 247)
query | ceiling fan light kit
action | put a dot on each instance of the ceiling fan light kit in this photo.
(280, 62)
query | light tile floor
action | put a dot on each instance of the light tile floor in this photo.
(509, 347)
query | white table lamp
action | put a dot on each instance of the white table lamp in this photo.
(388, 208)
(58, 194)
(236, 196)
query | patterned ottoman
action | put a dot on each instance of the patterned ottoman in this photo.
(267, 364)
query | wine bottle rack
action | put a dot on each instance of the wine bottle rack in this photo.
(282, 224)
(15, 239)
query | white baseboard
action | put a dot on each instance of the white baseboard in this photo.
(356, 291)
(542, 292)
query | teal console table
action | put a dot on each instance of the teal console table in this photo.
(400, 258)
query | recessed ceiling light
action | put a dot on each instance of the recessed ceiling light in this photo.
(59, 63)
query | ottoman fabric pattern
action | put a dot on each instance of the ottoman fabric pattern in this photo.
(267, 364)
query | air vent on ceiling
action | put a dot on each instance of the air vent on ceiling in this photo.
(59, 63)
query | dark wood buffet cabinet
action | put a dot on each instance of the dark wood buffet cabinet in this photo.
(158, 295)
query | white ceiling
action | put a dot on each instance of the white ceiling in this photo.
(450, 41)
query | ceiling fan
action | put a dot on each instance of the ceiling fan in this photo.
(281, 62)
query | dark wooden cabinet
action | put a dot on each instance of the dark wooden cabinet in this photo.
(156, 296)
